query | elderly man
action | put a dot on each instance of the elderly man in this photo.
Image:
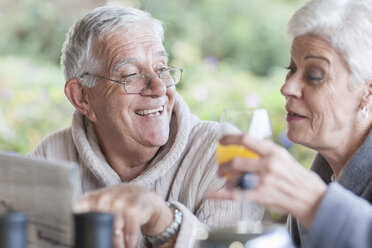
(132, 134)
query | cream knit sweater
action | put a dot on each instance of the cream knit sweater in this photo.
(181, 172)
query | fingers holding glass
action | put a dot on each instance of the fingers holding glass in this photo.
(236, 125)
(241, 172)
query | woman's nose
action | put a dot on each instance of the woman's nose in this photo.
(292, 87)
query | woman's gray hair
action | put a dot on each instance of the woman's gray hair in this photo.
(346, 25)
(77, 53)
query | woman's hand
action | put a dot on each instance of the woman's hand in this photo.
(133, 206)
(283, 183)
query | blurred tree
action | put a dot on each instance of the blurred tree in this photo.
(233, 53)
(250, 34)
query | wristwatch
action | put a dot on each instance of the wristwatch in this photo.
(171, 230)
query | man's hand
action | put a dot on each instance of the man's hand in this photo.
(133, 206)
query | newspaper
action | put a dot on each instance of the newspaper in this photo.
(44, 190)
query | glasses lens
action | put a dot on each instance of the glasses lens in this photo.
(139, 83)
(136, 83)
(171, 76)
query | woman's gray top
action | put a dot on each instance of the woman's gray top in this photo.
(344, 216)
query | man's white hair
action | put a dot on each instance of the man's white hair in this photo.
(346, 25)
(77, 53)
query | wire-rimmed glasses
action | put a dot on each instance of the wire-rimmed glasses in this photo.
(139, 83)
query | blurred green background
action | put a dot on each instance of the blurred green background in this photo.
(233, 53)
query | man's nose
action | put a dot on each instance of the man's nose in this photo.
(156, 86)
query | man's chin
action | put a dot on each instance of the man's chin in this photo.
(157, 140)
(160, 142)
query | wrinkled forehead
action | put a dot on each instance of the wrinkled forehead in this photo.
(312, 45)
(139, 35)
(125, 46)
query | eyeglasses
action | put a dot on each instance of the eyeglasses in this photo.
(139, 83)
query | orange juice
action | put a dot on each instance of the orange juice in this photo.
(227, 153)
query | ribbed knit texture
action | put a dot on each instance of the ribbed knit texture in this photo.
(181, 172)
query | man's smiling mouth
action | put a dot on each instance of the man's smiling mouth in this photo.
(151, 112)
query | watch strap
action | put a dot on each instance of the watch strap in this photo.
(171, 231)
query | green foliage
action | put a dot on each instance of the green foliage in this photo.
(34, 28)
(233, 54)
(32, 100)
(252, 34)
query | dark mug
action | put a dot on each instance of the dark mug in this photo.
(13, 228)
(93, 230)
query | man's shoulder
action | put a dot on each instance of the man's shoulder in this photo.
(191, 121)
(56, 145)
(59, 136)
(206, 128)
(204, 137)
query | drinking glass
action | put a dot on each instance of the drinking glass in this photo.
(256, 123)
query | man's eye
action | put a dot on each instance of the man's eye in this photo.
(160, 70)
(128, 75)
(130, 78)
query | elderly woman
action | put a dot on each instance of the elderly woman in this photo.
(143, 155)
(328, 98)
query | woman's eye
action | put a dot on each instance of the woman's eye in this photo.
(315, 75)
(291, 69)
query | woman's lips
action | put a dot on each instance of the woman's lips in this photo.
(293, 116)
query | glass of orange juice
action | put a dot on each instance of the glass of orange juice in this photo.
(255, 122)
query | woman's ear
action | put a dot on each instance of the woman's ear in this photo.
(369, 85)
(78, 96)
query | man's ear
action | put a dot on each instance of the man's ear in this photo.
(78, 96)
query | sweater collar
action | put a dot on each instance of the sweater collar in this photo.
(356, 173)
